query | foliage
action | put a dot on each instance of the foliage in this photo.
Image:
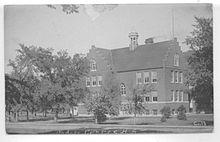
(163, 119)
(181, 113)
(200, 74)
(107, 100)
(50, 80)
(166, 112)
(137, 97)
(66, 8)
(98, 105)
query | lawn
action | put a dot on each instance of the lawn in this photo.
(85, 124)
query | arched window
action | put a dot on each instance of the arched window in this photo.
(93, 66)
(122, 89)
(176, 60)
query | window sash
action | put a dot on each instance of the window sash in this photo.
(93, 65)
(146, 77)
(138, 78)
(123, 89)
(147, 98)
(88, 82)
(180, 77)
(176, 60)
(173, 95)
(181, 96)
(176, 77)
(94, 81)
(154, 77)
(99, 80)
(172, 76)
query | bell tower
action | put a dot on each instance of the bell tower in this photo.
(133, 40)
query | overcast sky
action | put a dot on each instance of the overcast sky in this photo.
(49, 28)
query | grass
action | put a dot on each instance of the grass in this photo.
(85, 124)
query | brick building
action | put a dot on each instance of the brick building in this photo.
(158, 64)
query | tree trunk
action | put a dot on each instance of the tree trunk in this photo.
(56, 116)
(45, 113)
(96, 120)
(27, 115)
(9, 115)
(71, 111)
(16, 116)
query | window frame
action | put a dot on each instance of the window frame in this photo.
(173, 95)
(123, 89)
(154, 94)
(176, 60)
(181, 96)
(180, 77)
(152, 76)
(93, 65)
(176, 77)
(137, 79)
(94, 77)
(177, 95)
(99, 78)
(88, 79)
(146, 75)
(172, 76)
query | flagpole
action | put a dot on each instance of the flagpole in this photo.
(172, 18)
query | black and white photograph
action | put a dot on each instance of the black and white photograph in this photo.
(108, 69)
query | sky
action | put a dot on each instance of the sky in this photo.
(41, 26)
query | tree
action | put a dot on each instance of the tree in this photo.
(165, 111)
(181, 113)
(137, 97)
(12, 95)
(24, 72)
(51, 80)
(106, 100)
(200, 74)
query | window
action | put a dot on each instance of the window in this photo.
(99, 80)
(88, 83)
(147, 111)
(146, 77)
(93, 81)
(176, 76)
(122, 89)
(138, 78)
(172, 76)
(181, 96)
(172, 95)
(177, 96)
(180, 77)
(176, 60)
(147, 99)
(154, 77)
(154, 111)
(154, 96)
(93, 65)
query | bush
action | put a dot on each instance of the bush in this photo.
(165, 111)
(181, 113)
(100, 114)
(163, 119)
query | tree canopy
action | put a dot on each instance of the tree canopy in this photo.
(200, 74)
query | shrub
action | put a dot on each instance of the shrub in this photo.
(181, 113)
(165, 111)
(163, 119)
(100, 114)
(100, 117)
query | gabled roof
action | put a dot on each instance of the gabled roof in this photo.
(143, 57)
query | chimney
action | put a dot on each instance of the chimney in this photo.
(133, 40)
(149, 40)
